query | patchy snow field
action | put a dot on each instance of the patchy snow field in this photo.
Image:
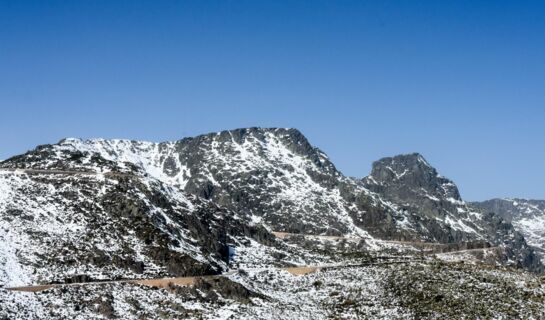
(430, 289)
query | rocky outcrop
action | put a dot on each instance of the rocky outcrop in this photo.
(435, 209)
(433, 204)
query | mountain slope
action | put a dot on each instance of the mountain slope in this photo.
(54, 228)
(271, 174)
(277, 178)
(526, 216)
(99, 219)
(88, 210)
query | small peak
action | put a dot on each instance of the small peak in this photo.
(409, 158)
(401, 165)
(69, 140)
(240, 134)
(411, 171)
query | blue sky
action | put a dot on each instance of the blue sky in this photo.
(462, 82)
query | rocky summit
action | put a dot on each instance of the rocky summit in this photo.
(255, 224)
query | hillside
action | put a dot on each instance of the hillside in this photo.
(93, 210)
(526, 216)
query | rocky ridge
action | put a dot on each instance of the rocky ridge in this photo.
(277, 178)
(111, 209)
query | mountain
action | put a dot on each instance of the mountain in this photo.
(271, 174)
(92, 210)
(526, 216)
(434, 209)
(432, 203)
(277, 177)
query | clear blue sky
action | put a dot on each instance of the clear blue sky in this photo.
(462, 82)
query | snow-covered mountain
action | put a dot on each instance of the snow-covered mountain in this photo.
(526, 216)
(434, 209)
(110, 209)
(276, 177)
(273, 175)
(88, 210)
(432, 203)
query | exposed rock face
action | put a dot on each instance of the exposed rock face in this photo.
(405, 176)
(435, 209)
(526, 216)
(432, 202)
(274, 174)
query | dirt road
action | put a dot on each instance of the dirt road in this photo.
(158, 282)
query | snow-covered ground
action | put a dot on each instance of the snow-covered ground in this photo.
(177, 204)
(431, 290)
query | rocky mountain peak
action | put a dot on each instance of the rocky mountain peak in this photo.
(274, 173)
(432, 201)
(291, 138)
(411, 171)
